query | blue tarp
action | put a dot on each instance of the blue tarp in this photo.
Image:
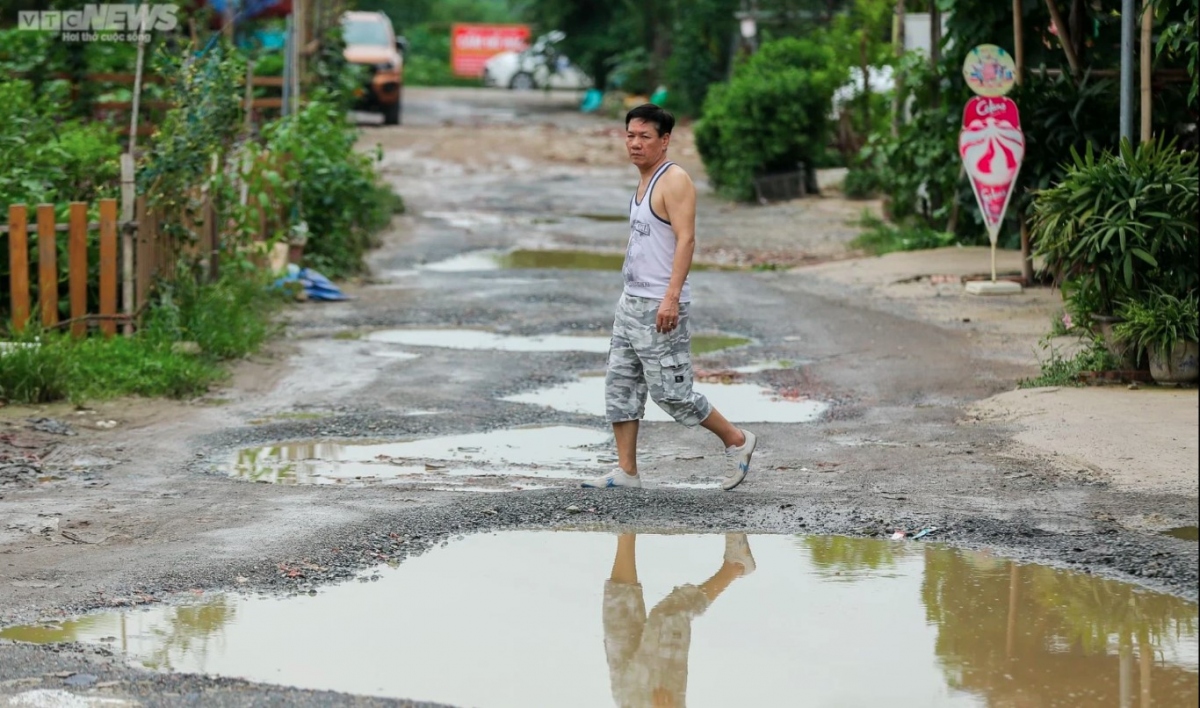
(315, 285)
(246, 9)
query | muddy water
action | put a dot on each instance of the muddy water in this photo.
(1187, 533)
(558, 452)
(590, 619)
(742, 402)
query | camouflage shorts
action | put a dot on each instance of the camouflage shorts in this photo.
(642, 359)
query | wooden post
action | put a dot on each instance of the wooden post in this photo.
(77, 267)
(108, 266)
(18, 264)
(47, 265)
(128, 196)
(1146, 56)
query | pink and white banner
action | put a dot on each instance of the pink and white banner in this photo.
(992, 147)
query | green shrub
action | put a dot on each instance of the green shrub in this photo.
(881, 237)
(1120, 225)
(699, 53)
(1158, 321)
(1058, 371)
(339, 195)
(861, 182)
(772, 115)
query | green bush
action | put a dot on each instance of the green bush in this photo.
(861, 182)
(699, 52)
(1058, 371)
(881, 237)
(919, 168)
(772, 115)
(1158, 321)
(1120, 225)
(339, 196)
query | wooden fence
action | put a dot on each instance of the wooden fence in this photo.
(153, 252)
(47, 231)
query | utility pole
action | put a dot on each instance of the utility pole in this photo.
(1128, 17)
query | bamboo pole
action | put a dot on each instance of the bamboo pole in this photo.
(1019, 60)
(1064, 38)
(897, 104)
(1146, 56)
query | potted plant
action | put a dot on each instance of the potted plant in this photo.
(1116, 225)
(1165, 327)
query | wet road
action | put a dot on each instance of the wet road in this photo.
(383, 437)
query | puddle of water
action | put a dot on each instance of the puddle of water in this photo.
(761, 366)
(467, 262)
(1187, 533)
(821, 621)
(742, 402)
(490, 341)
(603, 217)
(394, 354)
(557, 452)
(709, 343)
(532, 259)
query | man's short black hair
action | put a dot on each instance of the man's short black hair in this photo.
(660, 117)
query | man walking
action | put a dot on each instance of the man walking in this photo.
(651, 341)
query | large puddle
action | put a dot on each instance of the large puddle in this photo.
(740, 402)
(482, 340)
(534, 259)
(558, 452)
(490, 341)
(592, 619)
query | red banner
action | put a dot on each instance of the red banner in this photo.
(472, 45)
(992, 147)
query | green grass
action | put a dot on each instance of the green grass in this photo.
(1060, 371)
(227, 320)
(881, 237)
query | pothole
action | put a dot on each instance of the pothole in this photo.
(490, 341)
(740, 402)
(676, 620)
(557, 452)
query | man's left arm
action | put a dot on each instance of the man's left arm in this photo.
(679, 199)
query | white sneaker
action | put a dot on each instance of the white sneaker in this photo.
(617, 478)
(737, 550)
(740, 457)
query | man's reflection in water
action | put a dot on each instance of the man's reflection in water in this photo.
(648, 656)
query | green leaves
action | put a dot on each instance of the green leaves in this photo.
(1117, 227)
(770, 116)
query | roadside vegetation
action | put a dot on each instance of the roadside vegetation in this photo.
(55, 148)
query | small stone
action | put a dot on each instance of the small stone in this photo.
(81, 680)
(573, 509)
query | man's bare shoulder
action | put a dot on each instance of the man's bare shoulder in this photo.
(676, 178)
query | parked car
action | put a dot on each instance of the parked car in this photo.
(540, 66)
(371, 42)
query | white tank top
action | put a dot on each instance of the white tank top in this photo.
(651, 252)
